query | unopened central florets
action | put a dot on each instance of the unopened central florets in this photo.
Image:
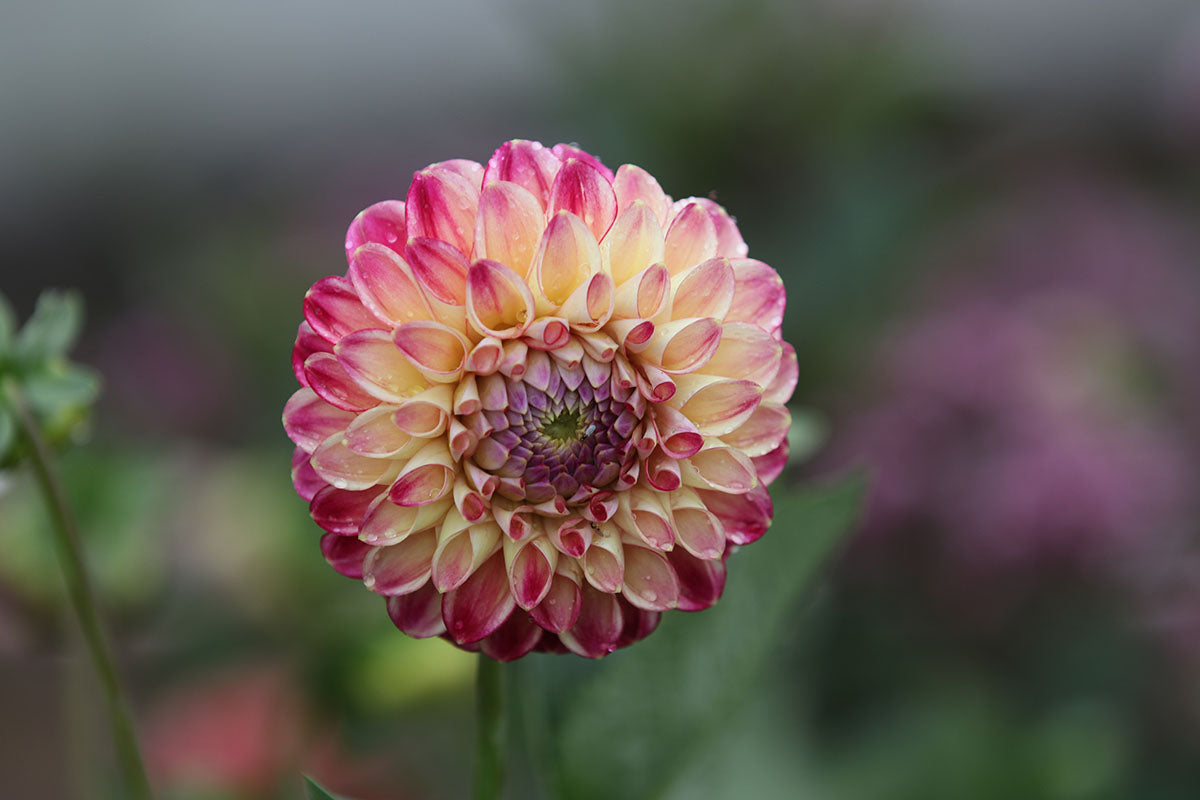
(558, 434)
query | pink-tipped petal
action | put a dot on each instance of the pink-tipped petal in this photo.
(716, 405)
(329, 379)
(700, 582)
(634, 243)
(333, 309)
(378, 367)
(499, 302)
(691, 237)
(596, 631)
(382, 223)
(509, 226)
(730, 243)
(758, 296)
(387, 286)
(480, 605)
(662, 471)
(400, 568)
(766, 428)
(437, 351)
(639, 624)
(346, 469)
(784, 383)
(309, 420)
(440, 269)
(307, 343)
(304, 478)
(418, 614)
(427, 477)
(591, 304)
(567, 151)
(746, 351)
(650, 582)
(746, 517)
(705, 290)
(677, 435)
(683, 345)
(566, 257)
(559, 610)
(441, 204)
(374, 433)
(584, 191)
(530, 569)
(632, 183)
(345, 554)
(604, 561)
(340, 511)
(771, 465)
(527, 164)
(722, 469)
(472, 171)
(697, 530)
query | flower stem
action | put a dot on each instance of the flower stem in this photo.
(489, 732)
(79, 588)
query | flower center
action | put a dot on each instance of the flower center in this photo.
(564, 427)
(557, 431)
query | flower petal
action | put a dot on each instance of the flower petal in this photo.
(583, 190)
(560, 608)
(746, 517)
(697, 530)
(427, 477)
(382, 223)
(437, 351)
(515, 638)
(374, 433)
(716, 405)
(758, 296)
(650, 582)
(683, 345)
(309, 420)
(722, 469)
(746, 351)
(762, 432)
(509, 225)
(387, 286)
(566, 257)
(307, 343)
(632, 183)
(480, 605)
(705, 290)
(595, 632)
(400, 568)
(531, 165)
(461, 551)
(340, 511)
(441, 204)
(730, 243)
(346, 469)
(633, 244)
(377, 366)
(329, 379)
(700, 582)
(784, 383)
(418, 614)
(691, 237)
(333, 308)
(345, 554)
(530, 567)
(499, 303)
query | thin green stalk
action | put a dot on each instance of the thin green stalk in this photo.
(79, 588)
(489, 731)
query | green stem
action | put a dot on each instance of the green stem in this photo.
(489, 732)
(79, 588)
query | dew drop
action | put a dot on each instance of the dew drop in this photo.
(459, 625)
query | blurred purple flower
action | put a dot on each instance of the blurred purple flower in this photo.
(1028, 416)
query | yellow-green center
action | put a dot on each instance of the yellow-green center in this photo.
(564, 427)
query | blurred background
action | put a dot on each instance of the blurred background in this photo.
(985, 214)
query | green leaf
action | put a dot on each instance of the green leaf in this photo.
(52, 329)
(61, 389)
(625, 727)
(317, 792)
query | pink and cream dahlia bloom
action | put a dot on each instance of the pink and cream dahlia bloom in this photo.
(543, 404)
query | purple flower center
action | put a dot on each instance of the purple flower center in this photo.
(569, 438)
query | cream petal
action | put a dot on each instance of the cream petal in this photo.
(566, 257)
(746, 351)
(387, 523)
(426, 414)
(720, 468)
(697, 530)
(509, 225)
(705, 290)
(683, 345)
(716, 405)
(387, 286)
(499, 302)
(691, 237)
(346, 469)
(374, 434)
(604, 561)
(528, 164)
(591, 305)
(530, 566)
(730, 243)
(650, 582)
(438, 352)
(580, 188)
(309, 420)
(329, 379)
(632, 184)
(762, 432)
(462, 550)
(646, 295)
(758, 296)
(784, 383)
(400, 568)
(427, 477)
(373, 361)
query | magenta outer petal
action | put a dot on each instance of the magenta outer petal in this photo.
(700, 582)
(565, 151)
(771, 465)
(758, 295)
(418, 614)
(333, 309)
(329, 379)
(441, 204)
(304, 477)
(560, 610)
(518, 636)
(596, 632)
(480, 605)
(638, 624)
(746, 517)
(307, 343)
(341, 511)
(382, 223)
(584, 191)
(529, 164)
(345, 554)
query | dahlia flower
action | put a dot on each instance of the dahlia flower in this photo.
(543, 404)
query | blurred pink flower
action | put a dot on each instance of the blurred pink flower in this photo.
(542, 403)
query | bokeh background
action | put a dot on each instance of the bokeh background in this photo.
(987, 216)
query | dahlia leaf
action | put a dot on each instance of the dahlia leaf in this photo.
(52, 329)
(317, 792)
(656, 703)
(8, 431)
(61, 390)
